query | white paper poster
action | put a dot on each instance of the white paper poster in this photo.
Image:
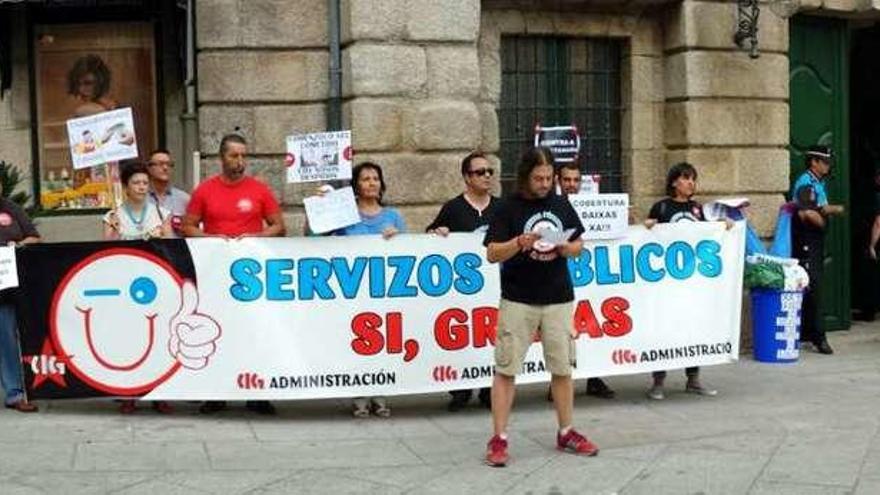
(334, 210)
(604, 216)
(320, 156)
(102, 138)
(8, 268)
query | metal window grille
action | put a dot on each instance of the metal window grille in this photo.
(562, 81)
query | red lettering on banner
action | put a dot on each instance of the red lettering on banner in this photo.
(617, 323)
(585, 320)
(452, 336)
(453, 330)
(485, 325)
(370, 341)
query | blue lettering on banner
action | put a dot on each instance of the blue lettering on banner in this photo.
(384, 277)
(652, 262)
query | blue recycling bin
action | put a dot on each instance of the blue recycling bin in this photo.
(776, 325)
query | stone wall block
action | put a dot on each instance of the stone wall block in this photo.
(647, 172)
(647, 37)
(490, 65)
(373, 20)
(215, 121)
(644, 75)
(572, 24)
(375, 70)
(270, 171)
(539, 23)
(444, 124)
(729, 170)
(414, 178)
(503, 21)
(278, 23)
(217, 23)
(490, 141)
(263, 76)
(714, 74)
(418, 217)
(453, 71)
(273, 123)
(712, 25)
(375, 124)
(641, 127)
(449, 20)
(726, 122)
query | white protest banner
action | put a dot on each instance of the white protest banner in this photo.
(102, 138)
(298, 318)
(564, 141)
(319, 156)
(8, 268)
(334, 210)
(604, 216)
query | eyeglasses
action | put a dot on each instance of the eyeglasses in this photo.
(482, 171)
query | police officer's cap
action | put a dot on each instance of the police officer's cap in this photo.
(820, 152)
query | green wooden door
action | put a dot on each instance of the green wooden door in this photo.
(818, 76)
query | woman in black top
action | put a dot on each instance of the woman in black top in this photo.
(681, 183)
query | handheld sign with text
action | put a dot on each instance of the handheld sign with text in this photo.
(334, 210)
(320, 156)
(564, 141)
(8, 268)
(604, 216)
(102, 138)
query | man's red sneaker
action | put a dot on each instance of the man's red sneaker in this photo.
(576, 443)
(496, 452)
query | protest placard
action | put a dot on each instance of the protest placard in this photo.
(564, 141)
(102, 138)
(334, 210)
(8, 268)
(319, 156)
(604, 216)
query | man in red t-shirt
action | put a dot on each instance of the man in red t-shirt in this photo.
(232, 205)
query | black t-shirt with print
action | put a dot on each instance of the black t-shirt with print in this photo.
(670, 211)
(459, 216)
(539, 276)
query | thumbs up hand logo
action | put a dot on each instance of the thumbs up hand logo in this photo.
(193, 335)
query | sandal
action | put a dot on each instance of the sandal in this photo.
(361, 408)
(380, 408)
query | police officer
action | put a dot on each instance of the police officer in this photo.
(807, 238)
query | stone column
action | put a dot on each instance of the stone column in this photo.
(727, 113)
(263, 72)
(411, 81)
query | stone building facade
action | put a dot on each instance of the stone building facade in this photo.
(422, 86)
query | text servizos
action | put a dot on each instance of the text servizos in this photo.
(286, 279)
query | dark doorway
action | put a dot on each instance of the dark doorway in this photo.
(865, 164)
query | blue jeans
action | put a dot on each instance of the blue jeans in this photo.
(10, 355)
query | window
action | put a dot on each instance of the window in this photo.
(83, 69)
(562, 81)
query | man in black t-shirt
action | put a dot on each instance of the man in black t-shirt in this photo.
(470, 211)
(528, 237)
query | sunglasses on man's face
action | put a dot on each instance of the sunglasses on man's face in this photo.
(482, 171)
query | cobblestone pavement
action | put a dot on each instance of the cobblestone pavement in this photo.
(808, 428)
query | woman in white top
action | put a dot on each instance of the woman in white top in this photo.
(137, 219)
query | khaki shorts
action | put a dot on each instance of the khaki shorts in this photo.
(517, 323)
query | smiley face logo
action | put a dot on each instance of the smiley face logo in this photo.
(128, 322)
